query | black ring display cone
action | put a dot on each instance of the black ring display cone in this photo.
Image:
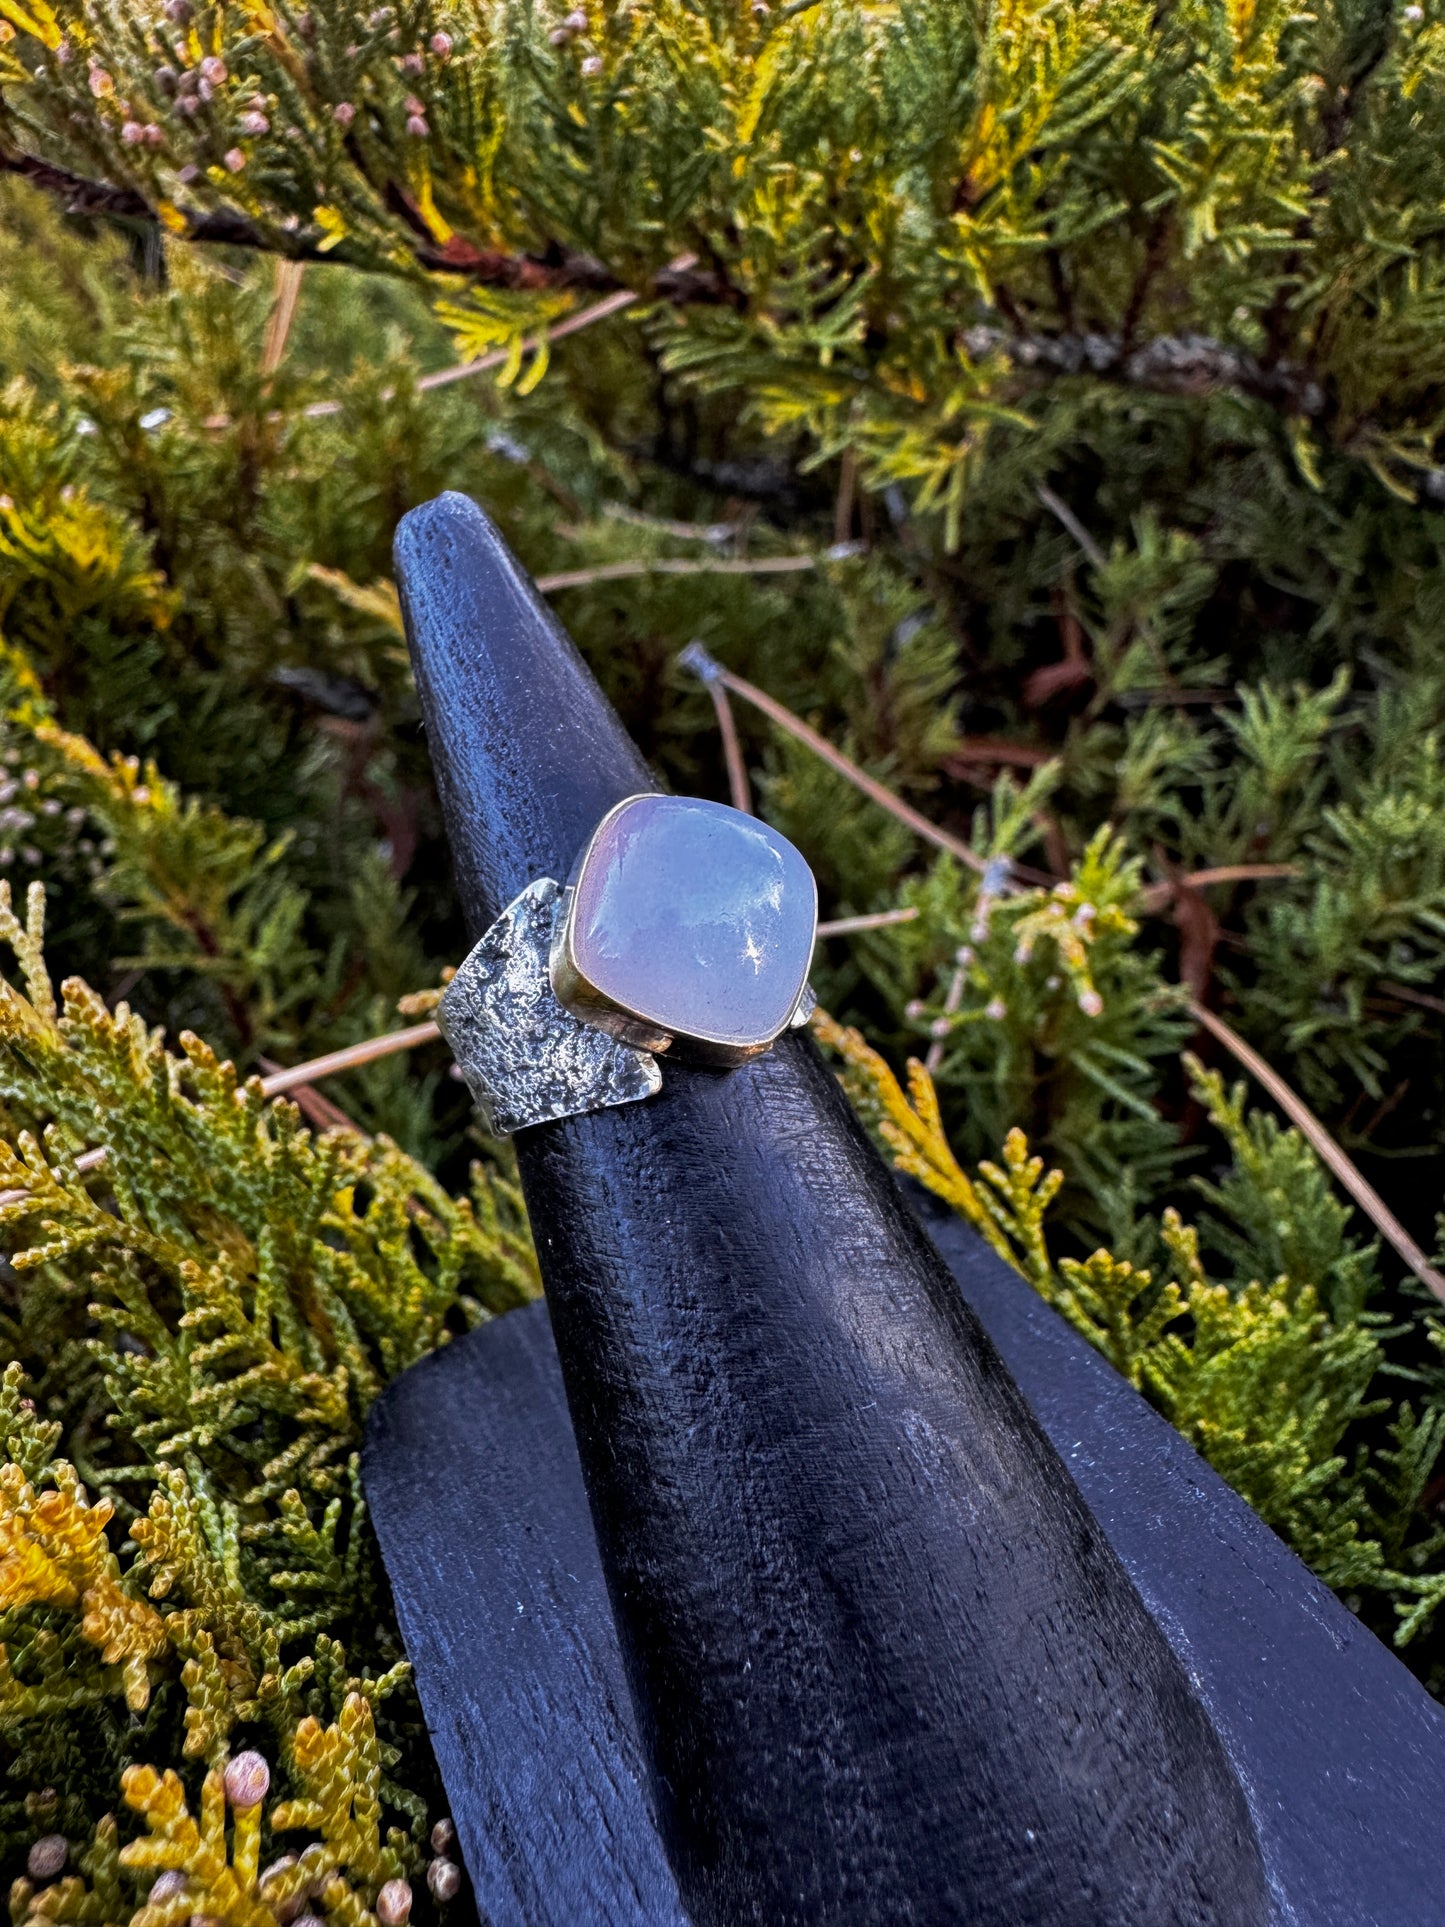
(884, 1665)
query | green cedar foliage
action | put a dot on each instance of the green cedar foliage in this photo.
(1088, 355)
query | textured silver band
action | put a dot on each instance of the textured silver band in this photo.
(525, 1057)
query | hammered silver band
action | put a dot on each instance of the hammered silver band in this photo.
(525, 1058)
(685, 925)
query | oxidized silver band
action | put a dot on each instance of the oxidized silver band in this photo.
(525, 1057)
(684, 924)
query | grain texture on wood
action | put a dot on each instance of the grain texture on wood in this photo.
(882, 1661)
(1340, 1751)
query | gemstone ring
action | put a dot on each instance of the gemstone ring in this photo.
(684, 927)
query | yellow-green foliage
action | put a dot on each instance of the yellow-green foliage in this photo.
(230, 1292)
(878, 201)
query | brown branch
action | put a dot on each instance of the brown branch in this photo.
(555, 268)
(738, 786)
(1326, 1149)
(1407, 995)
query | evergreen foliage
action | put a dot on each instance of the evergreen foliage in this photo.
(1076, 366)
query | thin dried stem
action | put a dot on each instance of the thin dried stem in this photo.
(679, 565)
(349, 1059)
(1062, 513)
(1157, 896)
(738, 787)
(667, 525)
(952, 998)
(283, 312)
(795, 727)
(1325, 1148)
(443, 377)
(847, 488)
(1408, 995)
(874, 920)
(572, 324)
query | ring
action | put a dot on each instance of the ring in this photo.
(684, 926)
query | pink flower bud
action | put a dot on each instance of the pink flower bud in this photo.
(412, 64)
(132, 133)
(64, 53)
(441, 45)
(592, 66)
(204, 90)
(443, 1834)
(444, 1877)
(247, 1777)
(47, 1857)
(101, 84)
(416, 126)
(188, 105)
(214, 70)
(996, 1009)
(154, 136)
(1091, 1003)
(188, 173)
(415, 106)
(166, 1886)
(255, 124)
(343, 113)
(576, 21)
(393, 1903)
(180, 12)
(559, 36)
(166, 80)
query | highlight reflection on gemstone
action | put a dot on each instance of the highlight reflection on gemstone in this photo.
(695, 917)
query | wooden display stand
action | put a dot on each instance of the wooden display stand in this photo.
(778, 1570)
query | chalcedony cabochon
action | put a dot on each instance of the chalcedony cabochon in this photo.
(695, 917)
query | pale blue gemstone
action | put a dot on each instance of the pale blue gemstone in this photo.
(697, 918)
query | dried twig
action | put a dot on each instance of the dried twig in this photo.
(696, 658)
(1408, 995)
(1329, 1153)
(1062, 513)
(443, 377)
(738, 787)
(283, 313)
(716, 532)
(683, 565)
(1158, 895)
(847, 488)
(874, 920)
